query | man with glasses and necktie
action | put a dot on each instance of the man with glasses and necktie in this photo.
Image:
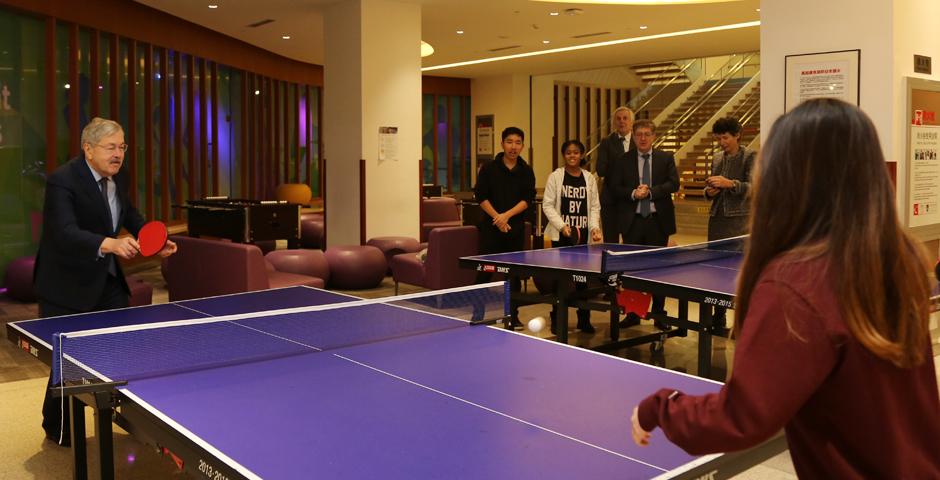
(77, 271)
(643, 184)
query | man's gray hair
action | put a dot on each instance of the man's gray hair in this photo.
(99, 128)
(625, 109)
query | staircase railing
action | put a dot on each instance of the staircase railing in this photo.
(654, 89)
(650, 93)
(724, 74)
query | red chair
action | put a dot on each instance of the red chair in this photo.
(203, 268)
(438, 212)
(440, 268)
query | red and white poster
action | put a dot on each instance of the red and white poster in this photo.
(924, 187)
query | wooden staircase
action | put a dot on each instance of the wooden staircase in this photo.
(674, 138)
(658, 73)
(695, 167)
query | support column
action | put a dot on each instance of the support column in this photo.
(372, 79)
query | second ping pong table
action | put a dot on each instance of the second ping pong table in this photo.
(403, 387)
(704, 273)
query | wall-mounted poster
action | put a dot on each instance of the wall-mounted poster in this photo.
(388, 143)
(816, 75)
(484, 130)
(924, 204)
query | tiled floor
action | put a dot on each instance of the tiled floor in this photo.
(24, 453)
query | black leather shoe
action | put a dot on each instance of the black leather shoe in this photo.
(516, 324)
(585, 326)
(630, 320)
(66, 440)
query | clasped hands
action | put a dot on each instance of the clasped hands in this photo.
(501, 221)
(717, 183)
(641, 192)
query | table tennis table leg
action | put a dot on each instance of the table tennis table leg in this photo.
(79, 450)
(683, 315)
(614, 315)
(705, 340)
(103, 430)
(562, 292)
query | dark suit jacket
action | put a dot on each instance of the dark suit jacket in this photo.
(608, 153)
(69, 272)
(621, 181)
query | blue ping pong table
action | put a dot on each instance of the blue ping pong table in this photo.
(353, 396)
(708, 278)
(704, 273)
(561, 267)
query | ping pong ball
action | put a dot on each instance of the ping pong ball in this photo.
(536, 324)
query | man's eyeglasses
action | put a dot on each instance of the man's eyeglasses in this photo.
(112, 148)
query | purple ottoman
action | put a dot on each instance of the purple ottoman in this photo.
(356, 267)
(141, 291)
(311, 263)
(18, 279)
(391, 246)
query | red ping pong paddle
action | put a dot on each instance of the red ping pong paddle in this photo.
(152, 238)
(633, 301)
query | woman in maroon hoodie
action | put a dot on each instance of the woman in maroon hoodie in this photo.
(832, 316)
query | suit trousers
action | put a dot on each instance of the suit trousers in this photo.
(646, 231)
(55, 411)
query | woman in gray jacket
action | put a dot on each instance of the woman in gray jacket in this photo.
(728, 187)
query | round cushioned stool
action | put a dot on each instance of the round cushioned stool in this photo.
(311, 263)
(311, 230)
(356, 267)
(391, 246)
(18, 279)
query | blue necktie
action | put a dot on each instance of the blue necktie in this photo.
(645, 203)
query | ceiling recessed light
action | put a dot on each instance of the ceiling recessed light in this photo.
(426, 49)
(257, 92)
(213, 6)
(643, 27)
(459, 32)
(757, 9)
(285, 37)
(546, 41)
(554, 14)
(67, 86)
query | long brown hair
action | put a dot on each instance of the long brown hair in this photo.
(822, 189)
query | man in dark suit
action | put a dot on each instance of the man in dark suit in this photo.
(609, 153)
(643, 185)
(77, 271)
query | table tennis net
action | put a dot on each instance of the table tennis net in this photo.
(638, 260)
(157, 349)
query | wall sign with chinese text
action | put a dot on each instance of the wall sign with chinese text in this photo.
(822, 75)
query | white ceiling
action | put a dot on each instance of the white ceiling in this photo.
(496, 24)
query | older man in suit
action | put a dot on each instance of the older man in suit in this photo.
(609, 153)
(643, 185)
(86, 206)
